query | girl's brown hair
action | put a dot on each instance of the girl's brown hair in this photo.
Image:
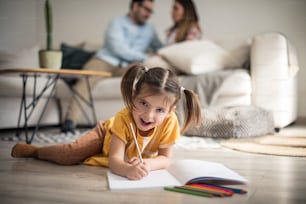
(160, 80)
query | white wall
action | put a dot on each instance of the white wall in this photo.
(76, 21)
(18, 24)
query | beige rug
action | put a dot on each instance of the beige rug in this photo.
(270, 144)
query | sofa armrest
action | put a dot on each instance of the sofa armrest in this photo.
(274, 84)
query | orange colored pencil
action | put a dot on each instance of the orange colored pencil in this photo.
(213, 192)
(212, 188)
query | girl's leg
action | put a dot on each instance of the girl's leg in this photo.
(66, 154)
(24, 150)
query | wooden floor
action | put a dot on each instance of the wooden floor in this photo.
(272, 179)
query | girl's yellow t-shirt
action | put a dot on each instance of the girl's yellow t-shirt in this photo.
(162, 136)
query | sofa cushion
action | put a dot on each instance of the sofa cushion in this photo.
(106, 88)
(10, 107)
(198, 57)
(236, 89)
(239, 50)
(25, 58)
(11, 86)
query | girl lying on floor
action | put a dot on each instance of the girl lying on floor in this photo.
(150, 96)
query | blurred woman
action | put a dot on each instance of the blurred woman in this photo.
(185, 22)
(185, 28)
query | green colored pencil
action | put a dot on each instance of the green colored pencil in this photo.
(191, 188)
(179, 190)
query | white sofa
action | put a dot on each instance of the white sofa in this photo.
(270, 82)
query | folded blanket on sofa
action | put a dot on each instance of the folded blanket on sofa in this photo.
(212, 86)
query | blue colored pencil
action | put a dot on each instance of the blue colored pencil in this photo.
(235, 190)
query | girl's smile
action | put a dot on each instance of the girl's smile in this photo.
(151, 110)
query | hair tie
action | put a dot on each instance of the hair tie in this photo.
(182, 89)
(145, 69)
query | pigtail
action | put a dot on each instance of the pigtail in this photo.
(192, 110)
(129, 79)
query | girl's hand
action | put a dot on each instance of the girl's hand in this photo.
(138, 170)
(134, 161)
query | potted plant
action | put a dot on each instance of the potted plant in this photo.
(49, 58)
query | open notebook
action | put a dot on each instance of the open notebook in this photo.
(179, 173)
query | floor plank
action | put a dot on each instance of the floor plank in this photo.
(272, 179)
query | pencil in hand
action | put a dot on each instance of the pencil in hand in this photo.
(136, 143)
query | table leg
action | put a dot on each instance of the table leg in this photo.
(89, 102)
(22, 107)
(28, 108)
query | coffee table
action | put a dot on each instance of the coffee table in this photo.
(52, 75)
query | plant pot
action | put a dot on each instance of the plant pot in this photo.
(50, 59)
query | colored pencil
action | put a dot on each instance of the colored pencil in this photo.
(136, 143)
(213, 188)
(214, 193)
(235, 190)
(179, 190)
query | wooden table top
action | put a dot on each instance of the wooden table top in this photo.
(56, 71)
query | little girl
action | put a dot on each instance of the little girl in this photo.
(150, 97)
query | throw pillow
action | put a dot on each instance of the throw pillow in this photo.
(238, 49)
(197, 57)
(74, 57)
